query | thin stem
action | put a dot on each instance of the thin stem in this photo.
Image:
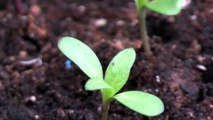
(105, 109)
(142, 18)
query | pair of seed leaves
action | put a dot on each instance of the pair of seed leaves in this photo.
(166, 7)
(115, 78)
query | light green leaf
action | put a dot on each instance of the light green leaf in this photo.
(118, 71)
(140, 4)
(96, 83)
(81, 55)
(166, 7)
(141, 102)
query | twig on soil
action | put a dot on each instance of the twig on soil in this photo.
(36, 61)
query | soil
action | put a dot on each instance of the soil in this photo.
(36, 85)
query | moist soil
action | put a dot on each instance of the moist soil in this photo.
(35, 84)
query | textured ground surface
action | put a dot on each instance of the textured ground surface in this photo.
(180, 72)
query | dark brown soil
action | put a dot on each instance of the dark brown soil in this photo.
(181, 71)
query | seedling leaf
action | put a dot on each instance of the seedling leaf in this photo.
(166, 7)
(141, 102)
(81, 55)
(118, 71)
(96, 83)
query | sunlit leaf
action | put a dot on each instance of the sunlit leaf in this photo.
(81, 55)
(118, 71)
(166, 7)
(96, 83)
(141, 102)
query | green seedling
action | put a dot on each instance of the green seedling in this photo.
(165, 7)
(115, 78)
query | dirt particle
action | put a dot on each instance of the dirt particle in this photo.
(100, 22)
(61, 113)
(190, 88)
(201, 67)
(35, 10)
(30, 99)
(37, 117)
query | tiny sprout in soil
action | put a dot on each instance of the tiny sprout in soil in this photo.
(115, 78)
(165, 7)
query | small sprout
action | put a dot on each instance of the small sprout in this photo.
(115, 78)
(165, 7)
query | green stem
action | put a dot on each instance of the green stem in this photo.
(105, 109)
(142, 18)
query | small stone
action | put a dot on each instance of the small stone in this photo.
(36, 117)
(9, 16)
(100, 22)
(209, 118)
(99, 108)
(201, 67)
(70, 111)
(22, 54)
(82, 8)
(12, 58)
(61, 113)
(171, 19)
(158, 78)
(193, 17)
(189, 88)
(35, 10)
(120, 23)
(118, 45)
(191, 114)
(30, 99)
(201, 59)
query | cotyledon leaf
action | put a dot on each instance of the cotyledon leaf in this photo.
(81, 55)
(166, 7)
(118, 70)
(141, 102)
